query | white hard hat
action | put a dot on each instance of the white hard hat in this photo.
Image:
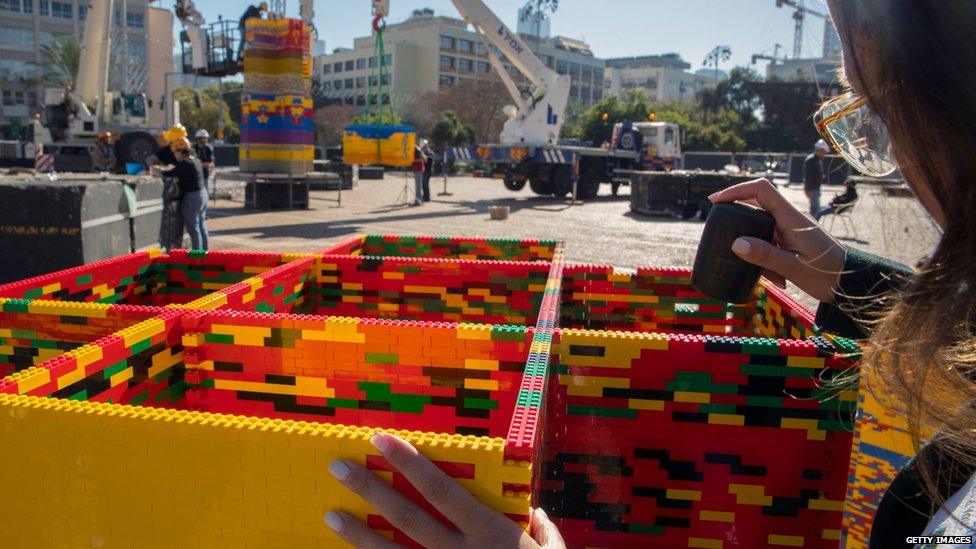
(202, 133)
(423, 142)
(822, 145)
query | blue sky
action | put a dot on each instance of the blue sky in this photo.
(613, 28)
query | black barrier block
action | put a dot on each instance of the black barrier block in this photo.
(371, 172)
(659, 193)
(47, 226)
(274, 196)
(707, 160)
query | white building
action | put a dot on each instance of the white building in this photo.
(27, 25)
(428, 52)
(663, 78)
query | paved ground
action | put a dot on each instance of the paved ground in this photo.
(602, 231)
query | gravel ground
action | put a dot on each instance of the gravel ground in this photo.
(602, 231)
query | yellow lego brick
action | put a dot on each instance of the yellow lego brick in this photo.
(726, 419)
(686, 495)
(833, 535)
(804, 362)
(474, 331)
(685, 396)
(51, 288)
(750, 494)
(716, 516)
(193, 339)
(642, 404)
(482, 384)
(809, 425)
(142, 331)
(826, 505)
(789, 541)
(243, 335)
(705, 543)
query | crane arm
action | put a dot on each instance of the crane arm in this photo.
(538, 118)
(92, 84)
(491, 27)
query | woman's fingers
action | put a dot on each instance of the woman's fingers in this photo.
(544, 532)
(443, 492)
(762, 253)
(356, 533)
(762, 193)
(400, 511)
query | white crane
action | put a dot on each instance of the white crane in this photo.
(537, 115)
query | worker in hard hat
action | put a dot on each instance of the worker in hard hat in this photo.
(192, 201)
(252, 12)
(103, 153)
(204, 152)
(171, 222)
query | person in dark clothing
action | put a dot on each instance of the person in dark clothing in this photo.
(428, 167)
(252, 12)
(814, 174)
(840, 202)
(418, 167)
(919, 321)
(188, 173)
(171, 222)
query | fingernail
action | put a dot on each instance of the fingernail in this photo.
(380, 442)
(334, 520)
(340, 470)
(711, 196)
(741, 246)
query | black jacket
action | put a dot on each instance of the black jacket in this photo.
(188, 174)
(813, 173)
(204, 154)
(905, 508)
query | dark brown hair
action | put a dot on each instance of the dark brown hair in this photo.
(915, 60)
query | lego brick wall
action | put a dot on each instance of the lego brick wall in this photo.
(599, 297)
(696, 441)
(450, 378)
(138, 365)
(148, 278)
(446, 247)
(493, 292)
(32, 332)
(882, 446)
(108, 475)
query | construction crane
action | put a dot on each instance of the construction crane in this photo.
(537, 115)
(798, 18)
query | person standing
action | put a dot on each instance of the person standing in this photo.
(205, 154)
(171, 223)
(188, 173)
(428, 167)
(252, 12)
(103, 153)
(814, 174)
(418, 168)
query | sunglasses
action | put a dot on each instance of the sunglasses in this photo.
(855, 132)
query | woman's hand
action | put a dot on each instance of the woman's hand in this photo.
(478, 526)
(802, 252)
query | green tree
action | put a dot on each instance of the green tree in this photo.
(449, 131)
(382, 116)
(63, 56)
(212, 107)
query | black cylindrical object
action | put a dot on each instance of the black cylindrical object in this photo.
(718, 272)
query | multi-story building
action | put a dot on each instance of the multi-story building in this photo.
(662, 78)
(143, 33)
(426, 53)
(817, 70)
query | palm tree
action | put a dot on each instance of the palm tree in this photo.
(63, 56)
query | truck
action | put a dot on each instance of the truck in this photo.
(529, 151)
(72, 119)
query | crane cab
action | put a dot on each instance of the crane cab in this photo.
(659, 143)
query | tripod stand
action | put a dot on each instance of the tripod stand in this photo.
(403, 199)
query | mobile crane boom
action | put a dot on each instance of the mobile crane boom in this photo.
(537, 115)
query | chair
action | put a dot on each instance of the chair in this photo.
(845, 214)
